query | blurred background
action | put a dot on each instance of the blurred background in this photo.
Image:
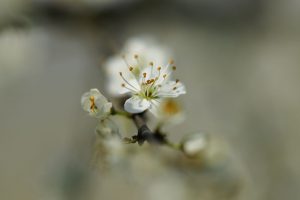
(238, 58)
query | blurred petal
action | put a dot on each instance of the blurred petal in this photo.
(136, 104)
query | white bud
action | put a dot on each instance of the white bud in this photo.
(96, 104)
(195, 144)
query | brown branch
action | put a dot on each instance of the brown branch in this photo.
(144, 133)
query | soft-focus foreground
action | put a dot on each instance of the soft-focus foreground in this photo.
(238, 121)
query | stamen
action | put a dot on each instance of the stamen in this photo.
(121, 74)
(93, 106)
(125, 61)
(158, 68)
(177, 80)
(130, 68)
(165, 75)
(171, 62)
(174, 88)
(174, 68)
(128, 88)
(136, 56)
(151, 64)
(144, 75)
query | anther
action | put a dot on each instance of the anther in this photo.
(130, 68)
(174, 88)
(174, 68)
(165, 75)
(121, 74)
(151, 63)
(136, 56)
(177, 80)
(144, 75)
(159, 68)
(171, 62)
(93, 106)
(123, 84)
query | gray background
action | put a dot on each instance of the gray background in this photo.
(239, 60)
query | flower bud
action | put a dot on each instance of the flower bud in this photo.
(194, 145)
(96, 104)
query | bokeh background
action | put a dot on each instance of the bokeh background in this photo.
(240, 60)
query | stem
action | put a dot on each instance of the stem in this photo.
(138, 120)
(144, 133)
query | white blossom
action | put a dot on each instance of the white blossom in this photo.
(148, 51)
(96, 104)
(151, 86)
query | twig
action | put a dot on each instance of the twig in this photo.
(145, 134)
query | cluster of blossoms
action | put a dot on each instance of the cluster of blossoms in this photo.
(144, 76)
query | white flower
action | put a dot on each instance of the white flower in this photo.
(96, 104)
(151, 86)
(148, 51)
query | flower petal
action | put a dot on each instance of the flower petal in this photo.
(154, 108)
(113, 67)
(85, 102)
(136, 104)
(171, 89)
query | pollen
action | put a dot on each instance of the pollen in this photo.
(93, 106)
(150, 81)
